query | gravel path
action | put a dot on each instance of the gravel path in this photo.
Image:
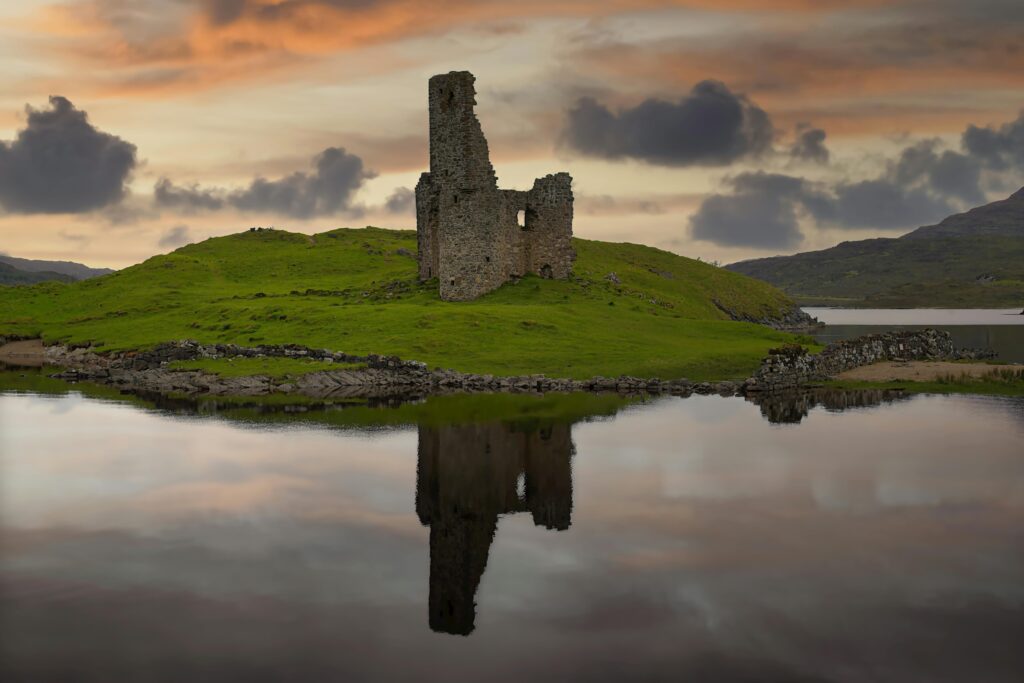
(920, 371)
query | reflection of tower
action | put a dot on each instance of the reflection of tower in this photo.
(468, 475)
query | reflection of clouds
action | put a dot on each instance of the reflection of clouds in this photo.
(842, 458)
(152, 469)
(863, 545)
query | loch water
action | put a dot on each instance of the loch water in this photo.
(999, 330)
(827, 536)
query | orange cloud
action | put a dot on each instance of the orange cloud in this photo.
(147, 46)
(858, 83)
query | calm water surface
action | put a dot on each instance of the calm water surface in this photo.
(828, 538)
(1001, 330)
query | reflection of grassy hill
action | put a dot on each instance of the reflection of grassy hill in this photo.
(973, 259)
(522, 411)
(356, 291)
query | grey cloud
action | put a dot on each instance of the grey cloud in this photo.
(401, 200)
(921, 186)
(884, 205)
(60, 163)
(710, 126)
(187, 198)
(1000, 148)
(761, 212)
(327, 190)
(810, 145)
(175, 237)
(764, 210)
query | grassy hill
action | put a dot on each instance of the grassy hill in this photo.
(973, 259)
(356, 291)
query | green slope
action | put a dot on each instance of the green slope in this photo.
(356, 291)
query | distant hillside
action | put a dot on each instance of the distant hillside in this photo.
(70, 269)
(9, 275)
(628, 309)
(1004, 218)
(972, 259)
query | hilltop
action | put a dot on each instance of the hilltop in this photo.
(627, 309)
(971, 259)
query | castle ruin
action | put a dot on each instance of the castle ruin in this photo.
(468, 231)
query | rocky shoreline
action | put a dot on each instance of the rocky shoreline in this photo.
(377, 376)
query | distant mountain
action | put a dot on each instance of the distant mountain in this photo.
(1005, 218)
(971, 259)
(9, 275)
(19, 271)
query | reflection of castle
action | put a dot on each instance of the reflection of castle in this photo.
(468, 475)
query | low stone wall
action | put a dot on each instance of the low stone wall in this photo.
(790, 367)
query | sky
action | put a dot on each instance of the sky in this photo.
(719, 129)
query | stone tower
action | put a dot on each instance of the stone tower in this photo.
(468, 231)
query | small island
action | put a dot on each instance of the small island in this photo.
(491, 293)
(473, 290)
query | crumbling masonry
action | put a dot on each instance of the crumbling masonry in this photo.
(468, 231)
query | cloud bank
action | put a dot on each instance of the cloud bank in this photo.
(711, 126)
(328, 190)
(60, 163)
(922, 185)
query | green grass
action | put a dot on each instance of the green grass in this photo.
(275, 368)
(524, 411)
(356, 291)
(996, 383)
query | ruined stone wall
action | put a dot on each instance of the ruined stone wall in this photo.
(469, 236)
(548, 232)
(792, 366)
(427, 215)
